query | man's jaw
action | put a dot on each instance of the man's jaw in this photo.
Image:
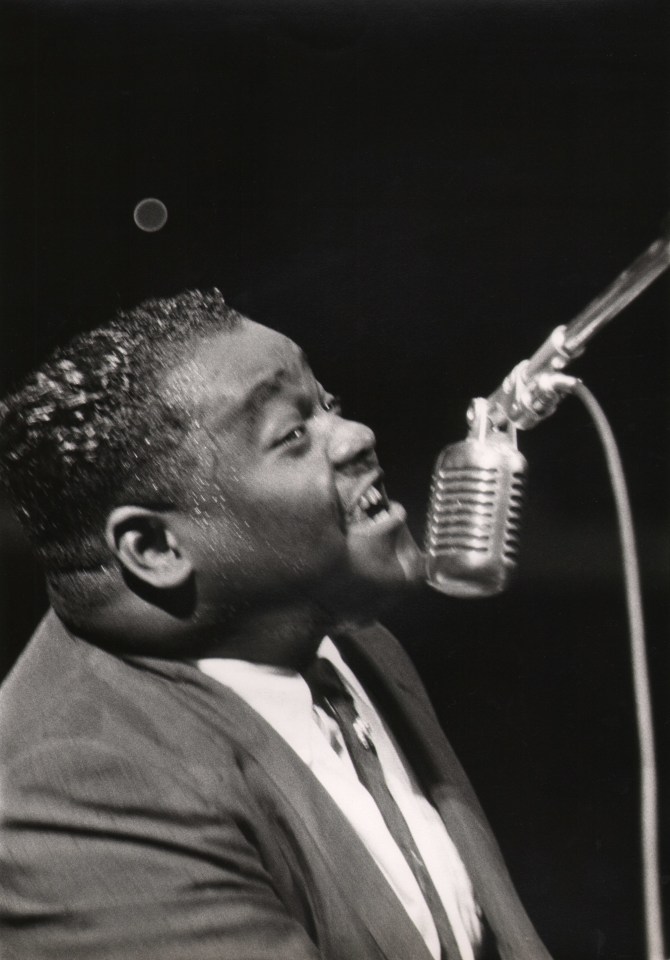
(379, 539)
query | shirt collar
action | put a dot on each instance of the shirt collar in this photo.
(281, 696)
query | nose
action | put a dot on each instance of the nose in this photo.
(350, 443)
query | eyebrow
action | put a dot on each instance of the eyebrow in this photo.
(260, 394)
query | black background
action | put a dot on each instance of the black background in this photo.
(417, 192)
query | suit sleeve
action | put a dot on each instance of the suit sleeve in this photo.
(94, 868)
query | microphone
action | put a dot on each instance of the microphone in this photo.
(472, 532)
(472, 528)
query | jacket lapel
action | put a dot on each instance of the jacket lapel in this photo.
(387, 673)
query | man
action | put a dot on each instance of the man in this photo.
(212, 531)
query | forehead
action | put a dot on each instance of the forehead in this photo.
(228, 369)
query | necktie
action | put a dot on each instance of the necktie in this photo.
(329, 693)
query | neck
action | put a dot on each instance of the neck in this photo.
(284, 637)
(282, 633)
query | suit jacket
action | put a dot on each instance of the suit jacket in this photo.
(150, 814)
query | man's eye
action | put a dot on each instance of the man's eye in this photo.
(297, 433)
(331, 405)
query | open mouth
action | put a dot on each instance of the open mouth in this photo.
(372, 505)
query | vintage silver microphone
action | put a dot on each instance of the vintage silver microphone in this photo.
(472, 528)
(472, 534)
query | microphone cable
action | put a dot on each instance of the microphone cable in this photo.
(653, 921)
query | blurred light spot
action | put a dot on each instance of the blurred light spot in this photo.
(150, 214)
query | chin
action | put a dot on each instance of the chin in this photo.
(387, 564)
(377, 568)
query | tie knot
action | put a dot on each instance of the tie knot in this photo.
(326, 685)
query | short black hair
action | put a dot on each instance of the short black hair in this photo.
(92, 429)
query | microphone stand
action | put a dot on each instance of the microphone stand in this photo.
(531, 392)
(528, 395)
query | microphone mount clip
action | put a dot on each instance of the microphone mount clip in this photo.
(534, 388)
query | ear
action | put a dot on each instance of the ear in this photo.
(143, 542)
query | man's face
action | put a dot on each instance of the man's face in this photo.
(287, 498)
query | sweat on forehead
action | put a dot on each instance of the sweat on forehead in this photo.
(230, 368)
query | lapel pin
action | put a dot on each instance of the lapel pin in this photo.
(363, 732)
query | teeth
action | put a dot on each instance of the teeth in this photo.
(372, 506)
(370, 500)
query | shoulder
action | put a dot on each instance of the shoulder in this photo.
(71, 708)
(40, 688)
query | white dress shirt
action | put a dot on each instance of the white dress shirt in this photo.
(283, 699)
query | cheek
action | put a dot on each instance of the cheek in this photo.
(283, 516)
(297, 525)
(303, 499)
(299, 520)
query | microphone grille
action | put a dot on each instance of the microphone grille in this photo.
(472, 532)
